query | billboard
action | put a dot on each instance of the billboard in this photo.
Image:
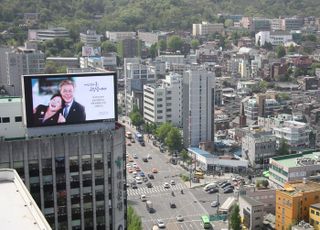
(62, 99)
(88, 51)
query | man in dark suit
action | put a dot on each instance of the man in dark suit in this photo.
(73, 112)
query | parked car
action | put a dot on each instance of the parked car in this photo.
(149, 156)
(144, 159)
(213, 190)
(214, 203)
(143, 197)
(229, 190)
(135, 156)
(138, 180)
(142, 174)
(134, 185)
(225, 185)
(145, 179)
(151, 176)
(172, 182)
(154, 170)
(149, 185)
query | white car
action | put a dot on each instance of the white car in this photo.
(172, 182)
(128, 165)
(134, 164)
(134, 174)
(179, 218)
(214, 203)
(166, 185)
(160, 223)
(135, 156)
(139, 180)
(143, 197)
(149, 156)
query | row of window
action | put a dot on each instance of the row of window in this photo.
(7, 119)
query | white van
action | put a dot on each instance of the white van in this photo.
(209, 186)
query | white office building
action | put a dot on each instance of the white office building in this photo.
(162, 102)
(206, 28)
(91, 38)
(48, 34)
(295, 133)
(275, 38)
(198, 106)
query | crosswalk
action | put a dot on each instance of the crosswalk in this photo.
(155, 189)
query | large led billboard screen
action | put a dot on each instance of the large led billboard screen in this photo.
(61, 99)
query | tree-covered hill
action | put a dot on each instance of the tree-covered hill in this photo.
(146, 14)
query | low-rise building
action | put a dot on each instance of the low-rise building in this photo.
(314, 216)
(293, 203)
(206, 28)
(294, 167)
(91, 38)
(251, 212)
(48, 34)
(275, 38)
(258, 147)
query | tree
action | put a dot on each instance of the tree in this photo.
(163, 130)
(283, 147)
(291, 49)
(108, 46)
(173, 140)
(150, 128)
(184, 155)
(135, 117)
(153, 50)
(175, 43)
(162, 45)
(195, 43)
(228, 23)
(235, 219)
(280, 51)
(134, 221)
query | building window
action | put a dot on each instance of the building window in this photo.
(5, 119)
(312, 211)
(18, 119)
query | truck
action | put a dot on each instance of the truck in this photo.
(149, 206)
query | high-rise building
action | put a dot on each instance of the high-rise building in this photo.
(198, 106)
(163, 101)
(91, 38)
(74, 171)
(18, 209)
(17, 62)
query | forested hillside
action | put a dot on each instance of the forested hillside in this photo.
(146, 14)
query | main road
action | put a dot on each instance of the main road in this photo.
(192, 204)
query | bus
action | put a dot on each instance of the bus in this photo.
(139, 137)
(206, 222)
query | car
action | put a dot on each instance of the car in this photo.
(160, 223)
(225, 185)
(134, 164)
(142, 174)
(134, 185)
(138, 180)
(128, 165)
(229, 190)
(154, 170)
(151, 176)
(145, 179)
(144, 159)
(172, 182)
(221, 183)
(135, 156)
(172, 205)
(142, 143)
(132, 140)
(134, 174)
(143, 197)
(149, 156)
(130, 170)
(166, 185)
(212, 190)
(149, 185)
(179, 218)
(138, 169)
(127, 154)
(214, 203)
(131, 159)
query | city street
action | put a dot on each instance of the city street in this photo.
(192, 204)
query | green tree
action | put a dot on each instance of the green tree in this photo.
(235, 219)
(108, 46)
(195, 43)
(280, 51)
(228, 23)
(174, 140)
(291, 49)
(135, 117)
(283, 147)
(267, 46)
(150, 128)
(184, 155)
(153, 50)
(52, 67)
(163, 130)
(134, 221)
(175, 43)
(162, 45)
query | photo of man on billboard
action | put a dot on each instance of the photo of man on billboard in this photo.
(73, 112)
(69, 99)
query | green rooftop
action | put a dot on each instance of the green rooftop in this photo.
(291, 160)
